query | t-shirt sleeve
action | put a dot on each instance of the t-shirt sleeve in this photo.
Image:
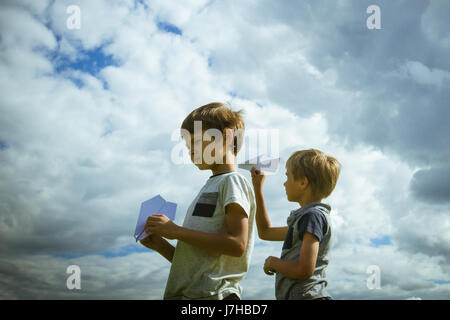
(312, 222)
(235, 190)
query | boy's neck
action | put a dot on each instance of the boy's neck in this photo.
(222, 168)
(306, 203)
(307, 200)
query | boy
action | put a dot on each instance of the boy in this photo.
(216, 240)
(300, 272)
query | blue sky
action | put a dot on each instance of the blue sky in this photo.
(90, 61)
(3, 145)
(88, 116)
(381, 241)
(120, 252)
(168, 27)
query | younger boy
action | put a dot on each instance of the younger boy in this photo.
(300, 272)
(216, 240)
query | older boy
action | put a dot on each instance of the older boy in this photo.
(300, 272)
(216, 240)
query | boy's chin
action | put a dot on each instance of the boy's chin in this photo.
(290, 199)
(202, 166)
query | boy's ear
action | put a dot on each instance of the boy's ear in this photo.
(304, 182)
(228, 133)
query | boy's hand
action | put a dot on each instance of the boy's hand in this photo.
(268, 266)
(258, 177)
(151, 241)
(162, 226)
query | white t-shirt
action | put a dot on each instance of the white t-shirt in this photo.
(199, 274)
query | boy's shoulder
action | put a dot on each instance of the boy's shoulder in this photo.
(318, 211)
(314, 220)
(313, 216)
(238, 180)
(234, 185)
(232, 177)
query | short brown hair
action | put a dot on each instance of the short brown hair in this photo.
(218, 116)
(321, 170)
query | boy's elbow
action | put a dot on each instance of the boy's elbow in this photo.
(239, 250)
(307, 275)
(262, 234)
(304, 276)
(304, 273)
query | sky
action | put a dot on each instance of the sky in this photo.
(88, 116)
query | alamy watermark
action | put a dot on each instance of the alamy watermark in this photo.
(74, 280)
(74, 20)
(374, 280)
(212, 146)
(374, 20)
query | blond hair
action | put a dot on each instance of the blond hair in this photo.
(218, 116)
(321, 170)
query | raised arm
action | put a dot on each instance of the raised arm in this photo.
(265, 230)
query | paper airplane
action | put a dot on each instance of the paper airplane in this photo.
(155, 205)
(262, 163)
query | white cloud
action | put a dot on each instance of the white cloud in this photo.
(431, 23)
(81, 159)
(178, 13)
(424, 75)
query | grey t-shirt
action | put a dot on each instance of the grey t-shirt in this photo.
(312, 218)
(199, 274)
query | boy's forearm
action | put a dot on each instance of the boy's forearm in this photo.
(265, 230)
(166, 250)
(290, 269)
(262, 218)
(212, 242)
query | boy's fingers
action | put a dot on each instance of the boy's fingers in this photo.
(152, 224)
(158, 216)
(151, 219)
(150, 229)
(154, 218)
(147, 240)
(268, 272)
(256, 173)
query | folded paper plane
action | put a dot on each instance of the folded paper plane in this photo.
(262, 163)
(155, 205)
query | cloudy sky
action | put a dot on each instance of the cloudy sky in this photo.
(87, 117)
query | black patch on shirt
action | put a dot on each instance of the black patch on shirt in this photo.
(288, 241)
(206, 204)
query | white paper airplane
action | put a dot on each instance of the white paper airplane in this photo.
(155, 205)
(262, 163)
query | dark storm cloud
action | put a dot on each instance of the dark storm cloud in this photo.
(392, 86)
(401, 75)
(432, 185)
(433, 244)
